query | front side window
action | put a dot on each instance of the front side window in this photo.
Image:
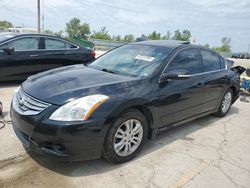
(132, 60)
(210, 61)
(187, 60)
(24, 44)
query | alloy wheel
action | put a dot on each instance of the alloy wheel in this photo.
(128, 137)
(226, 103)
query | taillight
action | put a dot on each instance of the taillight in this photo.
(93, 53)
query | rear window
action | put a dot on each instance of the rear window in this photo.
(210, 61)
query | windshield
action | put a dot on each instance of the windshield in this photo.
(132, 60)
(5, 36)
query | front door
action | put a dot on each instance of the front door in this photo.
(24, 61)
(182, 99)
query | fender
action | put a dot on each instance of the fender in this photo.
(134, 103)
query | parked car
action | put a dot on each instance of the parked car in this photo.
(240, 56)
(122, 98)
(22, 55)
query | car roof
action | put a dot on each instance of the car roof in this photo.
(14, 34)
(164, 43)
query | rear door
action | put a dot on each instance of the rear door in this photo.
(24, 61)
(57, 53)
(215, 78)
(181, 99)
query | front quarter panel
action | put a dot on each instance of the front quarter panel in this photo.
(134, 96)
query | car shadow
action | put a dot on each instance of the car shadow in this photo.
(87, 168)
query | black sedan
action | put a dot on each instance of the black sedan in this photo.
(22, 55)
(122, 98)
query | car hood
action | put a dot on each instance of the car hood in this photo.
(59, 86)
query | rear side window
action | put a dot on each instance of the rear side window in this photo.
(53, 44)
(186, 60)
(210, 61)
(25, 44)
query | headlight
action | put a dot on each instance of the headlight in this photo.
(79, 109)
(17, 89)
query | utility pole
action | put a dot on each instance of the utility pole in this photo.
(38, 17)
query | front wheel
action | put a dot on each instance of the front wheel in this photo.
(225, 103)
(126, 137)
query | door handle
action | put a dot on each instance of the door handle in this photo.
(34, 55)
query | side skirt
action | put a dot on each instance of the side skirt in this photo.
(157, 130)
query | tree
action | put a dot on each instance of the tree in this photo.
(129, 38)
(167, 36)
(102, 34)
(154, 36)
(225, 45)
(177, 35)
(74, 28)
(50, 32)
(142, 38)
(185, 35)
(6, 24)
(117, 38)
(206, 45)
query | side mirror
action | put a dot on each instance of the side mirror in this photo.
(8, 50)
(174, 75)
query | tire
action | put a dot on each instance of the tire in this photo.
(121, 136)
(225, 103)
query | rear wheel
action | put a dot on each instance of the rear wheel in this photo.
(225, 103)
(126, 137)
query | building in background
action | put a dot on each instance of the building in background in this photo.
(22, 30)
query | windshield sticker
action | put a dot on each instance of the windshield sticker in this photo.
(144, 58)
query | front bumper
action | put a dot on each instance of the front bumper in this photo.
(67, 141)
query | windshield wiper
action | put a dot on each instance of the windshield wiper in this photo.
(109, 71)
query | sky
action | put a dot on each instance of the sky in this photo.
(208, 20)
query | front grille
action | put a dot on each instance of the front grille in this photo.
(27, 105)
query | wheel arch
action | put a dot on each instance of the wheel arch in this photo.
(235, 91)
(140, 105)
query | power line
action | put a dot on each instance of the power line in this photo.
(42, 16)
(38, 16)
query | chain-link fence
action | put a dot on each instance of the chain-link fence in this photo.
(106, 44)
(226, 54)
